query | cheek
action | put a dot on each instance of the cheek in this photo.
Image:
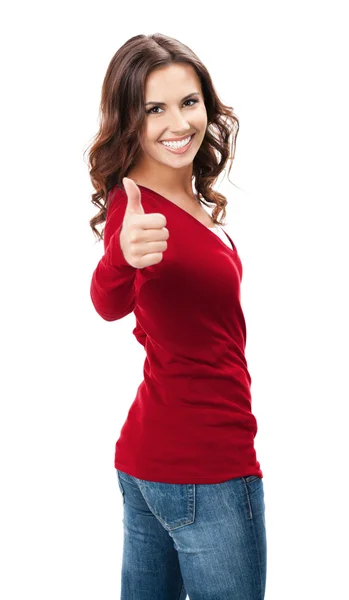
(153, 132)
(202, 118)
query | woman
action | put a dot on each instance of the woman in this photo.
(192, 488)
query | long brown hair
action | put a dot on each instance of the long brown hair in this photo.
(122, 122)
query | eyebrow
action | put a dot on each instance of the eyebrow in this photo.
(164, 104)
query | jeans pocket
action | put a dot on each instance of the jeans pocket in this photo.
(173, 504)
(253, 489)
(251, 478)
(120, 486)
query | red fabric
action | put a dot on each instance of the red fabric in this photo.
(191, 419)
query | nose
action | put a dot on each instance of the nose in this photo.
(178, 125)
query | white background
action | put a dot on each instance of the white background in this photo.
(68, 377)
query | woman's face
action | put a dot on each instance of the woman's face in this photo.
(174, 118)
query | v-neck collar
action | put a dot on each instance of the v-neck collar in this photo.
(233, 249)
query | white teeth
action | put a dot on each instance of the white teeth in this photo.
(178, 144)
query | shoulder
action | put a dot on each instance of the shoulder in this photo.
(115, 211)
(117, 199)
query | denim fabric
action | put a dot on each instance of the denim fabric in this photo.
(205, 541)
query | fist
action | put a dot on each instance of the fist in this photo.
(142, 236)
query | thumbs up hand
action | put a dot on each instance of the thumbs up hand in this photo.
(142, 236)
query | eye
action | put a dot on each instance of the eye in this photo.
(189, 100)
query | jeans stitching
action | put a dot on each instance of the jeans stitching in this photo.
(247, 495)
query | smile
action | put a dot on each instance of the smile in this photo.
(178, 148)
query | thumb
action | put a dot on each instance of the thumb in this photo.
(133, 196)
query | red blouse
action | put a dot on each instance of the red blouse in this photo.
(191, 419)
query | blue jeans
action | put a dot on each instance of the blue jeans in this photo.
(204, 540)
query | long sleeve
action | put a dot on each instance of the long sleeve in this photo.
(112, 287)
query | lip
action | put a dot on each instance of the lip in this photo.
(180, 139)
(179, 150)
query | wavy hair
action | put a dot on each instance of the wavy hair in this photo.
(117, 144)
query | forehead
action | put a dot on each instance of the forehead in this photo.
(176, 78)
